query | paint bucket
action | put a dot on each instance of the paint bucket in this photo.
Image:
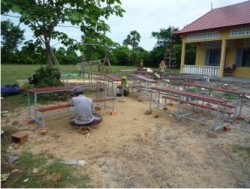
(22, 86)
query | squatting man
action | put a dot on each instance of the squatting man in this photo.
(84, 117)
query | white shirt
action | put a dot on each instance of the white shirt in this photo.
(83, 109)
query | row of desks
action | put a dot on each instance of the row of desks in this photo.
(240, 94)
(183, 96)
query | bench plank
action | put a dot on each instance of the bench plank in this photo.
(209, 107)
(45, 109)
(50, 108)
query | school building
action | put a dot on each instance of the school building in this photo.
(222, 40)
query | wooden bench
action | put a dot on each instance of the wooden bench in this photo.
(43, 110)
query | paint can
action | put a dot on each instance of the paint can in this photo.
(22, 86)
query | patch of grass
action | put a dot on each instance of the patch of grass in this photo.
(6, 139)
(230, 96)
(45, 175)
(12, 72)
(237, 148)
(225, 95)
(10, 103)
(15, 123)
(195, 89)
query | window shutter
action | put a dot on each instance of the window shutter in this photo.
(239, 54)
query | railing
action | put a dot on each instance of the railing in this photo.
(202, 70)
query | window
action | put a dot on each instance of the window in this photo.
(240, 32)
(243, 57)
(211, 44)
(212, 57)
(247, 42)
(203, 36)
(246, 58)
(230, 43)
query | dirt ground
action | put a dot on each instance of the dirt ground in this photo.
(132, 149)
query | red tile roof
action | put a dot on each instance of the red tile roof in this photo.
(233, 15)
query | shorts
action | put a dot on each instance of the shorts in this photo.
(98, 119)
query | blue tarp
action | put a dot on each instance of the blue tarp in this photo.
(7, 90)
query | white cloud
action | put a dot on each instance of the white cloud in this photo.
(146, 16)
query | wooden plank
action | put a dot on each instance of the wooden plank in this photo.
(50, 108)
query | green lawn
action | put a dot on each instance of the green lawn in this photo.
(10, 73)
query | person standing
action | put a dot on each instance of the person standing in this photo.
(141, 66)
(162, 67)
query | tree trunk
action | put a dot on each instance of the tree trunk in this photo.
(49, 60)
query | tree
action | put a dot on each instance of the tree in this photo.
(29, 55)
(12, 37)
(133, 39)
(71, 56)
(42, 17)
(61, 55)
(165, 39)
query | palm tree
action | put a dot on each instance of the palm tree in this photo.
(133, 39)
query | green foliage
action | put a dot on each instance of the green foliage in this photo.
(164, 38)
(71, 56)
(190, 54)
(12, 37)
(133, 39)
(48, 76)
(121, 56)
(43, 16)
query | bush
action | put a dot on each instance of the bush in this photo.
(47, 77)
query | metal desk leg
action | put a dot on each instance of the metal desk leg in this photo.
(150, 105)
(241, 103)
(35, 106)
(216, 118)
(28, 105)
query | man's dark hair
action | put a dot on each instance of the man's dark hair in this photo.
(78, 90)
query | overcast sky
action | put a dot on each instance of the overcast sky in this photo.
(147, 16)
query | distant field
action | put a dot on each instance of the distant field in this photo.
(12, 72)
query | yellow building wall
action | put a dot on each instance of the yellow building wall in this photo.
(200, 55)
(242, 72)
(230, 52)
